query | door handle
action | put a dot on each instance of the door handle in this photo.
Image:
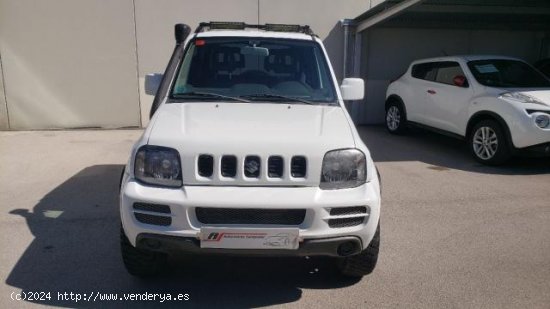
(430, 91)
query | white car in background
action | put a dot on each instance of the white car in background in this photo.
(500, 105)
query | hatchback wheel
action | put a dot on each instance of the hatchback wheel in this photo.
(488, 143)
(395, 118)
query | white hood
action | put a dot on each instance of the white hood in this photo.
(242, 129)
(541, 95)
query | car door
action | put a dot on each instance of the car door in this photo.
(422, 76)
(448, 97)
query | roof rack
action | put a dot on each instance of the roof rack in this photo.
(222, 25)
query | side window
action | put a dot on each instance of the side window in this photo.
(447, 71)
(424, 71)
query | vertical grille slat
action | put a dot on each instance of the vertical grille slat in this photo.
(205, 165)
(229, 166)
(298, 167)
(275, 167)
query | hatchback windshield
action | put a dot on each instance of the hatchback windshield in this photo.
(507, 74)
(254, 69)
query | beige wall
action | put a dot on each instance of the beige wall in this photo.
(69, 63)
(82, 63)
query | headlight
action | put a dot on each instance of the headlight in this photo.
(520, 97)
(542, 121)
(158, 166)
(346, 168)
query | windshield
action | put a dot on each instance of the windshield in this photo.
(507, 74)
(254, 69)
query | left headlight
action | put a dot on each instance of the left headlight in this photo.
(159, 166)
(345, 168)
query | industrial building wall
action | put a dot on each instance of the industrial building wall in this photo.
(82, 63)
(69, 64)
(387, 52)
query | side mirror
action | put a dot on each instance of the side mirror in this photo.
(152, 83)
(460, 81)
(353, 89)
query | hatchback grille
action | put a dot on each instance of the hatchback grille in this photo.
(250, 216)
(229, 166)
(275, 167)
(298, 167)
(205, 165)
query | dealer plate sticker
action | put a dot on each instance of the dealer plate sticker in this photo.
(229, 238)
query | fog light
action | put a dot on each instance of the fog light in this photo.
(542, 121)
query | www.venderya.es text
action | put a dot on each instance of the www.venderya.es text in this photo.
(98, 296)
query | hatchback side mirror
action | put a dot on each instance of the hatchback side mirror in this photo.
(152, 83)
(352, 89)
(460, 81)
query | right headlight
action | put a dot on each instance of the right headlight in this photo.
(159, 166)
(344, 168)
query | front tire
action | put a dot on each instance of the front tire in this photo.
(396, 120)
(140, 263)
(363, 263)
(488, 143)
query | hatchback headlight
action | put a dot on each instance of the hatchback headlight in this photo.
(542, 121)
(158, 166)
(345, 168)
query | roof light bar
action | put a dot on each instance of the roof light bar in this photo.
(223, 25)
(226, 25)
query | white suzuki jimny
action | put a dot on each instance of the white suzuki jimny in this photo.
(250, 151)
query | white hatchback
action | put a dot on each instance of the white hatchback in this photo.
(501, 105)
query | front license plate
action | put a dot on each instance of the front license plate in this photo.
(228, 238)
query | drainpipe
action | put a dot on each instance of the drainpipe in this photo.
(349, 57)
(349, 46)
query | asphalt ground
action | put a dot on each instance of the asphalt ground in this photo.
(455, 234)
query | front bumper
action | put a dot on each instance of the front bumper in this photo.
(317, 237)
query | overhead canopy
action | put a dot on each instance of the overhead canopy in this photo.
(463, 14)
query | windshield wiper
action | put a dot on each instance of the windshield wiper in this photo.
(207, 95)
(276, 96)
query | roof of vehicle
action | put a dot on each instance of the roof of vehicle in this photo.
(464, 58)
(254, 33)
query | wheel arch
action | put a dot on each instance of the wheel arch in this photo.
(488, 115)
(395, 98)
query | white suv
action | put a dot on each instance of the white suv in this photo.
(250, 151)
(500, 105)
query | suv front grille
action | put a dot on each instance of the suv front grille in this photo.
(205, 165)
(153, 214)
(251, 166)
(275, 166)
(250, 216)
(298, 167)
(229, 166)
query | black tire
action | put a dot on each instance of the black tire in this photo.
(484, 150)
(396, 118)
(140, 263)
(363, 263)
